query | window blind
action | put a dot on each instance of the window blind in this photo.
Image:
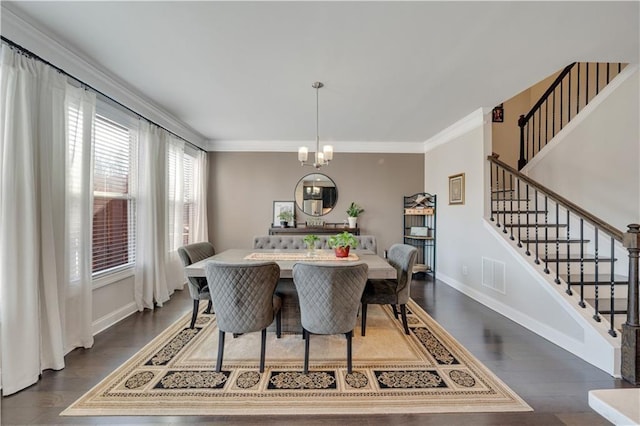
(113, 201)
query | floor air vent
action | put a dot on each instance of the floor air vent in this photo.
(493, 275)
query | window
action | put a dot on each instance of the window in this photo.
(187, 209)
(114, 204)
(180, 193)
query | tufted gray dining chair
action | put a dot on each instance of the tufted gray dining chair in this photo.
(392, 292)
(198, 288)
(245, 300)
(329, 297)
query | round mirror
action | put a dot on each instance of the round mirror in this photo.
(316, 194)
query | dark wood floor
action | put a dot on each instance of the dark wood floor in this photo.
(551, 380)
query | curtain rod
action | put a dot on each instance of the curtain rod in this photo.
(32, 55)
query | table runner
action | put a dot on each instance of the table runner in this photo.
(316, 256)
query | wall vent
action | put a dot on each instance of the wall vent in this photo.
(493, 275)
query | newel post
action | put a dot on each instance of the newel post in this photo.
(522, 161)
(630, 367)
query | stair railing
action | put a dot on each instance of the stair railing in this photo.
(576, 85)
(543, 222)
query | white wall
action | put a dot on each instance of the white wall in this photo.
(594, 161)
(465, 237)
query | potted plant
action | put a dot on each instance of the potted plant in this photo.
(285, 217)
(310, 242)
(353, 212)
(342, 242)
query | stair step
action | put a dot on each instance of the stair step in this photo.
(562, 257)
(518, 211)
(533, 225)
(552, 241)
(604, 306)
(499, 191)
(603, 279)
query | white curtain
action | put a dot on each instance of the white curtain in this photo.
(175, 210)
(150, 278)
(80, 108)
(200, 231)
(43, 312)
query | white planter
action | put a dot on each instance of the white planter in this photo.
(352, 221)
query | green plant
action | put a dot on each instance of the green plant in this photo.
(286, 216)
(344, 239)
(354, 210)
(310, 240)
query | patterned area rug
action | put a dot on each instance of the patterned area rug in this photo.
(425, 372)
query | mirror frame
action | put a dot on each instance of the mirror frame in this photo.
(298, 194)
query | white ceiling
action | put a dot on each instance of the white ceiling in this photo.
(393, 71)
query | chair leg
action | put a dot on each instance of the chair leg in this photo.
(306, 337)
(263, 345)
(403, 312)
(220, 350)
(196, 304)
(363, 327)
(209, 307)
(395, 311)
(349, 363)
(279, 323)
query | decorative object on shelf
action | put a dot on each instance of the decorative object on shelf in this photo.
(342, 242)
(419, 230)
(456, 189)
(284, 213)
(310, 241)
(317, 223)
(353, 212)
(321, 158)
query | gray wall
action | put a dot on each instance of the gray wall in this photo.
(244, 185)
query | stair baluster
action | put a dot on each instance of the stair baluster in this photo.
(596, 315)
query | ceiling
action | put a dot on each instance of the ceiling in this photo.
(240, 73)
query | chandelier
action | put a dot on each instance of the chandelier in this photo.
(323, 157)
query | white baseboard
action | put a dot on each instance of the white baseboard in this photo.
(113, 317)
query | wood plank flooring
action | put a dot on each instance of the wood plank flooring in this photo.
(553, 381)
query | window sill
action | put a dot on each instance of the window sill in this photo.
(111, 277)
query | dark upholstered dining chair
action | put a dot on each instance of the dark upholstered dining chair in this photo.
(198, 288)
(392, 292)
(329, 297)
(245, 300)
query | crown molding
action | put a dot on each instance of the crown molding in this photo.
(21, 31)
(457, 129)
(338, 146)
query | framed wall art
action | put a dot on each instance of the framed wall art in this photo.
(456, 189)
(280, 207)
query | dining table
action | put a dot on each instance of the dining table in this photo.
(379, 268)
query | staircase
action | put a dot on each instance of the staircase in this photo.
(582, 253)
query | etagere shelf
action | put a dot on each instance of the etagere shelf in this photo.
(420, 230)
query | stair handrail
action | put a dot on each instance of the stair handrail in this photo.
(546, 129)
(589, 217)
(547, 93)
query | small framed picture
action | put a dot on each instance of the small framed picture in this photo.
(456, 189)
(284, 211)
(497, 115)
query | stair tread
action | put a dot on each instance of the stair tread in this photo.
(519, 211)
(575, 257)
(604, 305)
(603, 278)
(576, 241)
(533, 225)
